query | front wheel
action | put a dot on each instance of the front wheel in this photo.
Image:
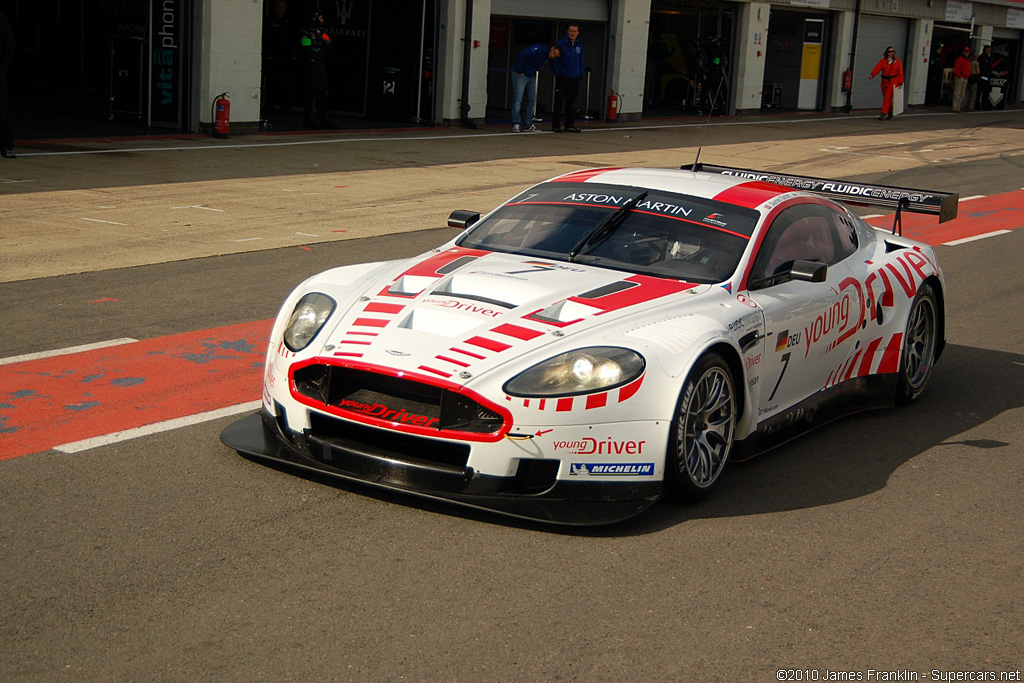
(920, 342)
(702, 430)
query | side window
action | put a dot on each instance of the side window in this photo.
(807, 231)
(846, 236)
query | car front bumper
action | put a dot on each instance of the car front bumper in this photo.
(584, 503)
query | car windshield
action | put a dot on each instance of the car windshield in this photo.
(660, 233)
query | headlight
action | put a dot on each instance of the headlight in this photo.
(309, 316)
(578, 372)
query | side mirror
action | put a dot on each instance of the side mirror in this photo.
(462, 219)
(809, 271)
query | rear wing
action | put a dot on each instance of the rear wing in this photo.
(941, 204)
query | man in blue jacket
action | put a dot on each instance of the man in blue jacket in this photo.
(524, 74)
(568, 73)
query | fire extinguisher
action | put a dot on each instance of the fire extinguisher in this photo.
(221, 116)
(613, 107)
(847, 80)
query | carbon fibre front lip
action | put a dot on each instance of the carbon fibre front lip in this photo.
(567, 503)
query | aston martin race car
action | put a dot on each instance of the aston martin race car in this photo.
(603, 339)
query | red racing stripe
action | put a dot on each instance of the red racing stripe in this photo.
(489, 344)
(517, 331)
(584, 176)
(751, 195)
(650, 288)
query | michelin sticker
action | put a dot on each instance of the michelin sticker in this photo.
(594, 469)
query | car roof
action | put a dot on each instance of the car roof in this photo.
(731, 190)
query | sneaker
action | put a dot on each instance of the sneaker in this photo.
(8, 153)
(515, 127)
(572, 129)
(556, 129)
(531, 128)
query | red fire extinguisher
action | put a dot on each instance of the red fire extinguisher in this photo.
(847, 80)
(613, 107)
(221, 116)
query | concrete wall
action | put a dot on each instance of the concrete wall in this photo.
(752, 42)
(916, 68)
(842, 46)
(629, 27)
(450, 63)
(229, 36)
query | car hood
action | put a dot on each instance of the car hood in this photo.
(458, 312)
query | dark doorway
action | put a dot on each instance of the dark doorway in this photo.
(689, 52)
(87, 68)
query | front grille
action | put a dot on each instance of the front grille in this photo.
(393, 399)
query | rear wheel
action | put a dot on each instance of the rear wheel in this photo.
(702, 431)
(919, 344)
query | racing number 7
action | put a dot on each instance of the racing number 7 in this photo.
(534, 268)
(785, 364)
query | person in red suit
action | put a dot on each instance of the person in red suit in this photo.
(891, 69)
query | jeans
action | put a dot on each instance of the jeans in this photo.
(523, 85)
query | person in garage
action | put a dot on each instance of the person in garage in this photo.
(891, 69)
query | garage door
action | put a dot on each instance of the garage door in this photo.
(873, 36)
(580, 10)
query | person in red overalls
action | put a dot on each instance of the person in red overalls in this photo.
(891, 69)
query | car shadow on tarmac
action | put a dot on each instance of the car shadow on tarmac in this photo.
(846, 459)
(855, 456)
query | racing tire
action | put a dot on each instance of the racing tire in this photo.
(920, 342)
(702, 430)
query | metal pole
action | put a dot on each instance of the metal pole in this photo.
(419, 77)
(466, 55)
(853, 57)
(586, 104)
(536, 97)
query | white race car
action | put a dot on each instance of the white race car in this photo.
(602, 339)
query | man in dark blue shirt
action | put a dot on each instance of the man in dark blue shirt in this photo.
(524, 74)
(568, 73)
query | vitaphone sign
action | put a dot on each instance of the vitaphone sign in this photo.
(167, 19)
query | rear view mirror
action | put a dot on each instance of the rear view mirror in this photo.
(808, 271)
(462, 219)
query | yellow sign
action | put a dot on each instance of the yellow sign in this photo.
(810, 66)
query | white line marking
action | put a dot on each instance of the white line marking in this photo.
(306, 234)
(66, 351)
(196, 206)
(207, 147)
(96, 220)
(156, 428)
(973, 196)
(247, 239)
(875, 215)
(975, 238)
